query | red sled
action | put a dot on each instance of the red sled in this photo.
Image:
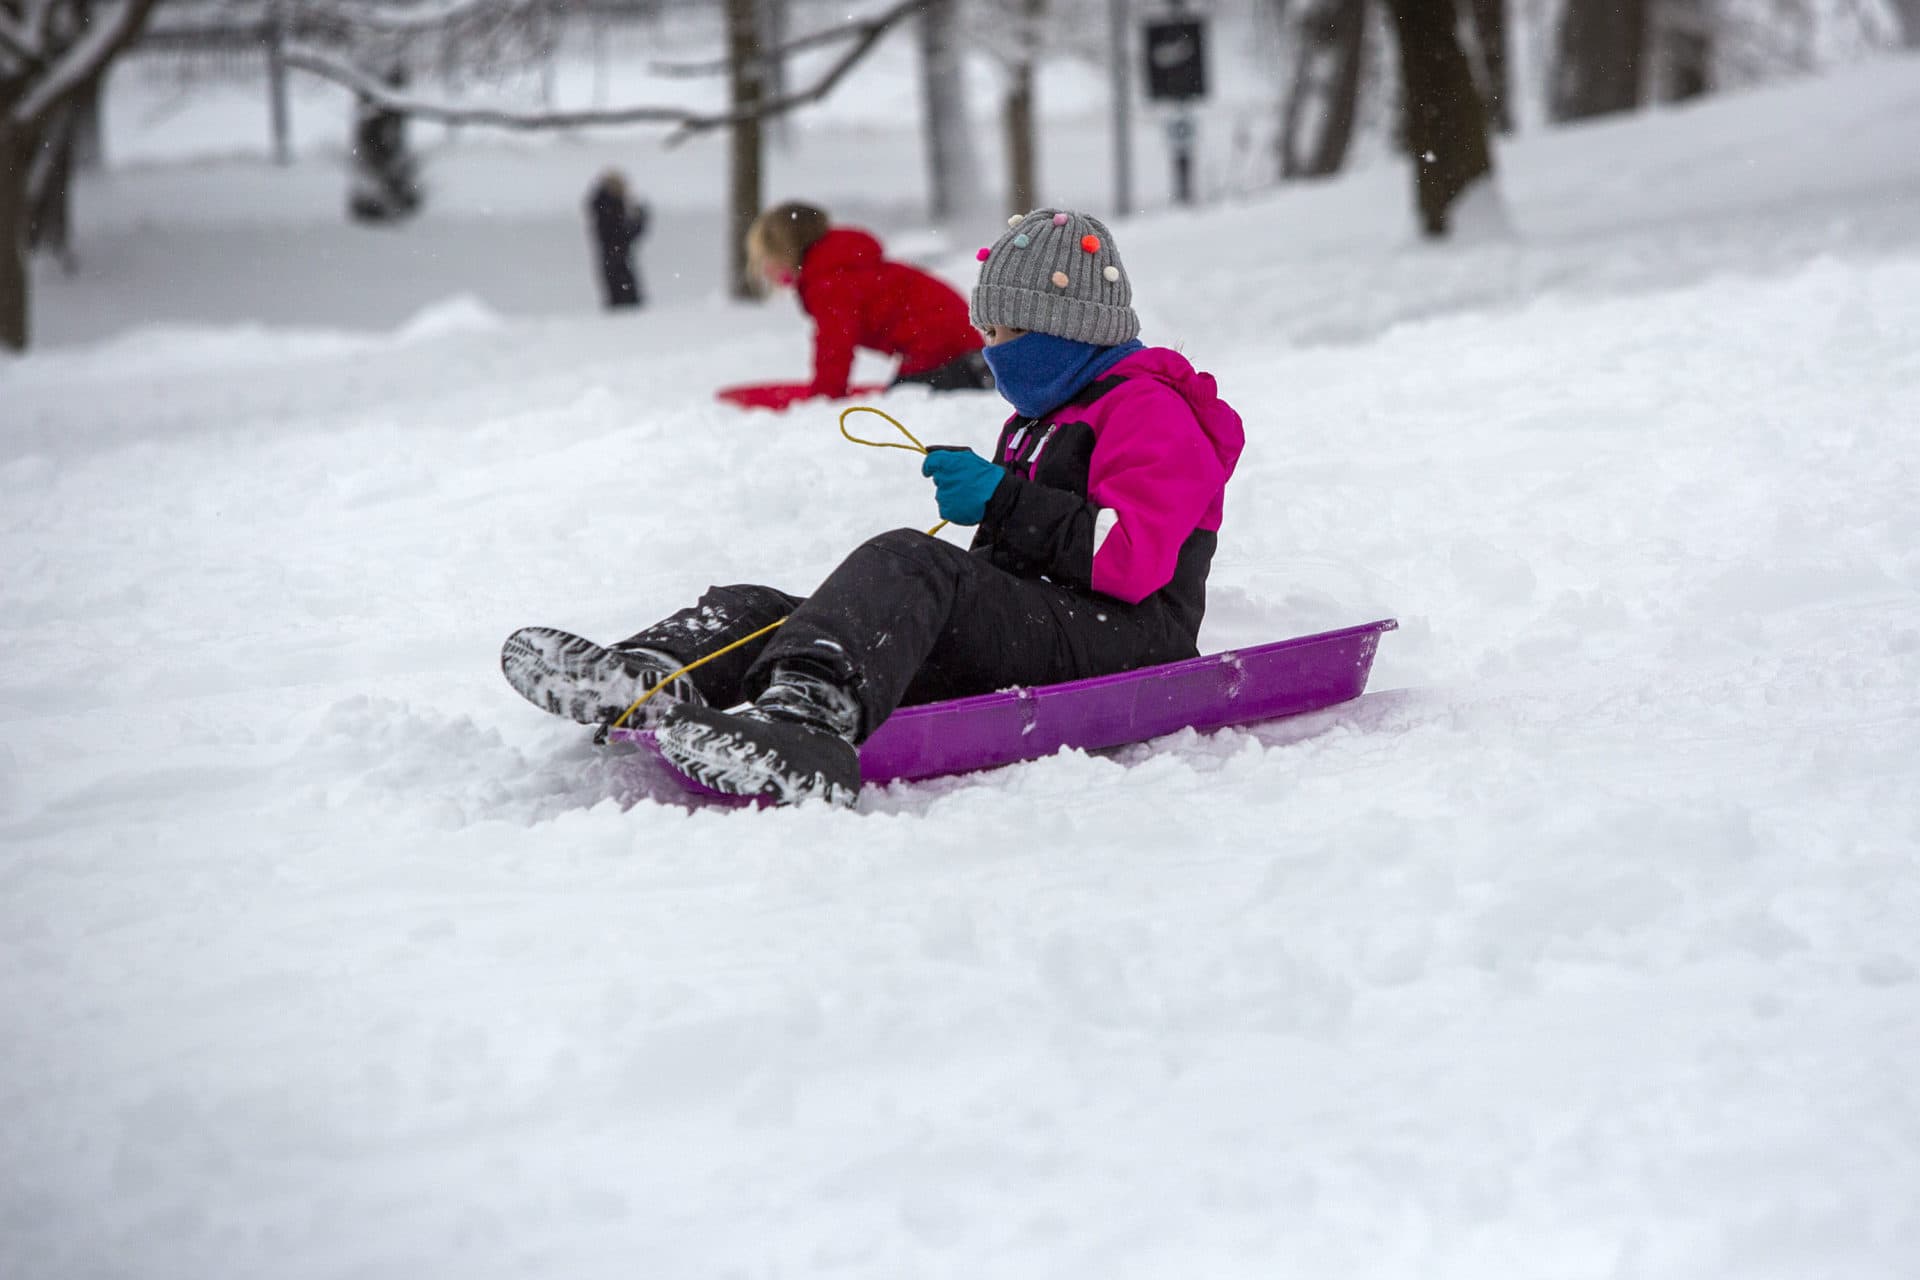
(1237, 687)
(780, 395)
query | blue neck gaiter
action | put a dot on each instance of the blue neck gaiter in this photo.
(1036, 373)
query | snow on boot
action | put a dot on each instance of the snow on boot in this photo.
(758, 755)
(802, 692)
(562, 673)
(794, 743)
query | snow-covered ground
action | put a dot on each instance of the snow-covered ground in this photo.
(1586, 945)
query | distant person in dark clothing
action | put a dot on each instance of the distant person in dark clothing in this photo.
(385, 185)
(616, 226)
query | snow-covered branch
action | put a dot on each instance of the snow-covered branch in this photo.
(25, 36)
(14, 43)
(38, 19)
(870, 35)
(418, 20)
(867, 29)
(73, 66)
(328, 67)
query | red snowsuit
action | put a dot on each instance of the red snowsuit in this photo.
(859, 299)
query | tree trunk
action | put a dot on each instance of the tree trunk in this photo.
(1446, 123)
(1018, 115)
(49, 187)
(1908, 13)
(775, 24)
(88, 152)
(31, 97)
(953, 170)
(1600, 52)
(1327, 74)
(15, 151)
(1490, 35)
(1683, 50)
(746, 90)
(89, 145)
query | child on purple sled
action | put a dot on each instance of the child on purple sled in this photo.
(1097, 518)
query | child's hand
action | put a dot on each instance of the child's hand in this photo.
(963, 481)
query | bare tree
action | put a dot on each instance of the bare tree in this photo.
(776, 28)
(953, 167)
(1599, 58)
(51, 53)
(859, 35)
(751, 100)
(1490, 62)
(1017, 33)
(50, 187)
(1446, 123)
(1018, 107)
(1323, 99)
(746, 91)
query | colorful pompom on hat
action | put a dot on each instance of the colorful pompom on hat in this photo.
(1056, 271)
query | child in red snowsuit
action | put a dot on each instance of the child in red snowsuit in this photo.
(858, 298)
(1097, 515)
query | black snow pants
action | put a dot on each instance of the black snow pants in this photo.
(968, 372)
(620, 286)
(908, 619)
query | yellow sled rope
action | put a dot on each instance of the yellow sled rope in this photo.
(915, 447)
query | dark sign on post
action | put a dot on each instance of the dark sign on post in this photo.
(1176, 52)
(1176, 60)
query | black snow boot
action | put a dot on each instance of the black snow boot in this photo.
(794, 743)
(562, 673)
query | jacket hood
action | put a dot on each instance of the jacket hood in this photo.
(1217, 418)
(839, 249)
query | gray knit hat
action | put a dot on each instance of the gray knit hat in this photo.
(1056, 271)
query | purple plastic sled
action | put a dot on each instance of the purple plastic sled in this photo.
(1239, 686)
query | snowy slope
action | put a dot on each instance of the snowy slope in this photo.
(1584, 946)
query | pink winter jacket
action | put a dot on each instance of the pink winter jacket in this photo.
(1119, 490)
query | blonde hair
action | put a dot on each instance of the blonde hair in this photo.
(783, 234)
